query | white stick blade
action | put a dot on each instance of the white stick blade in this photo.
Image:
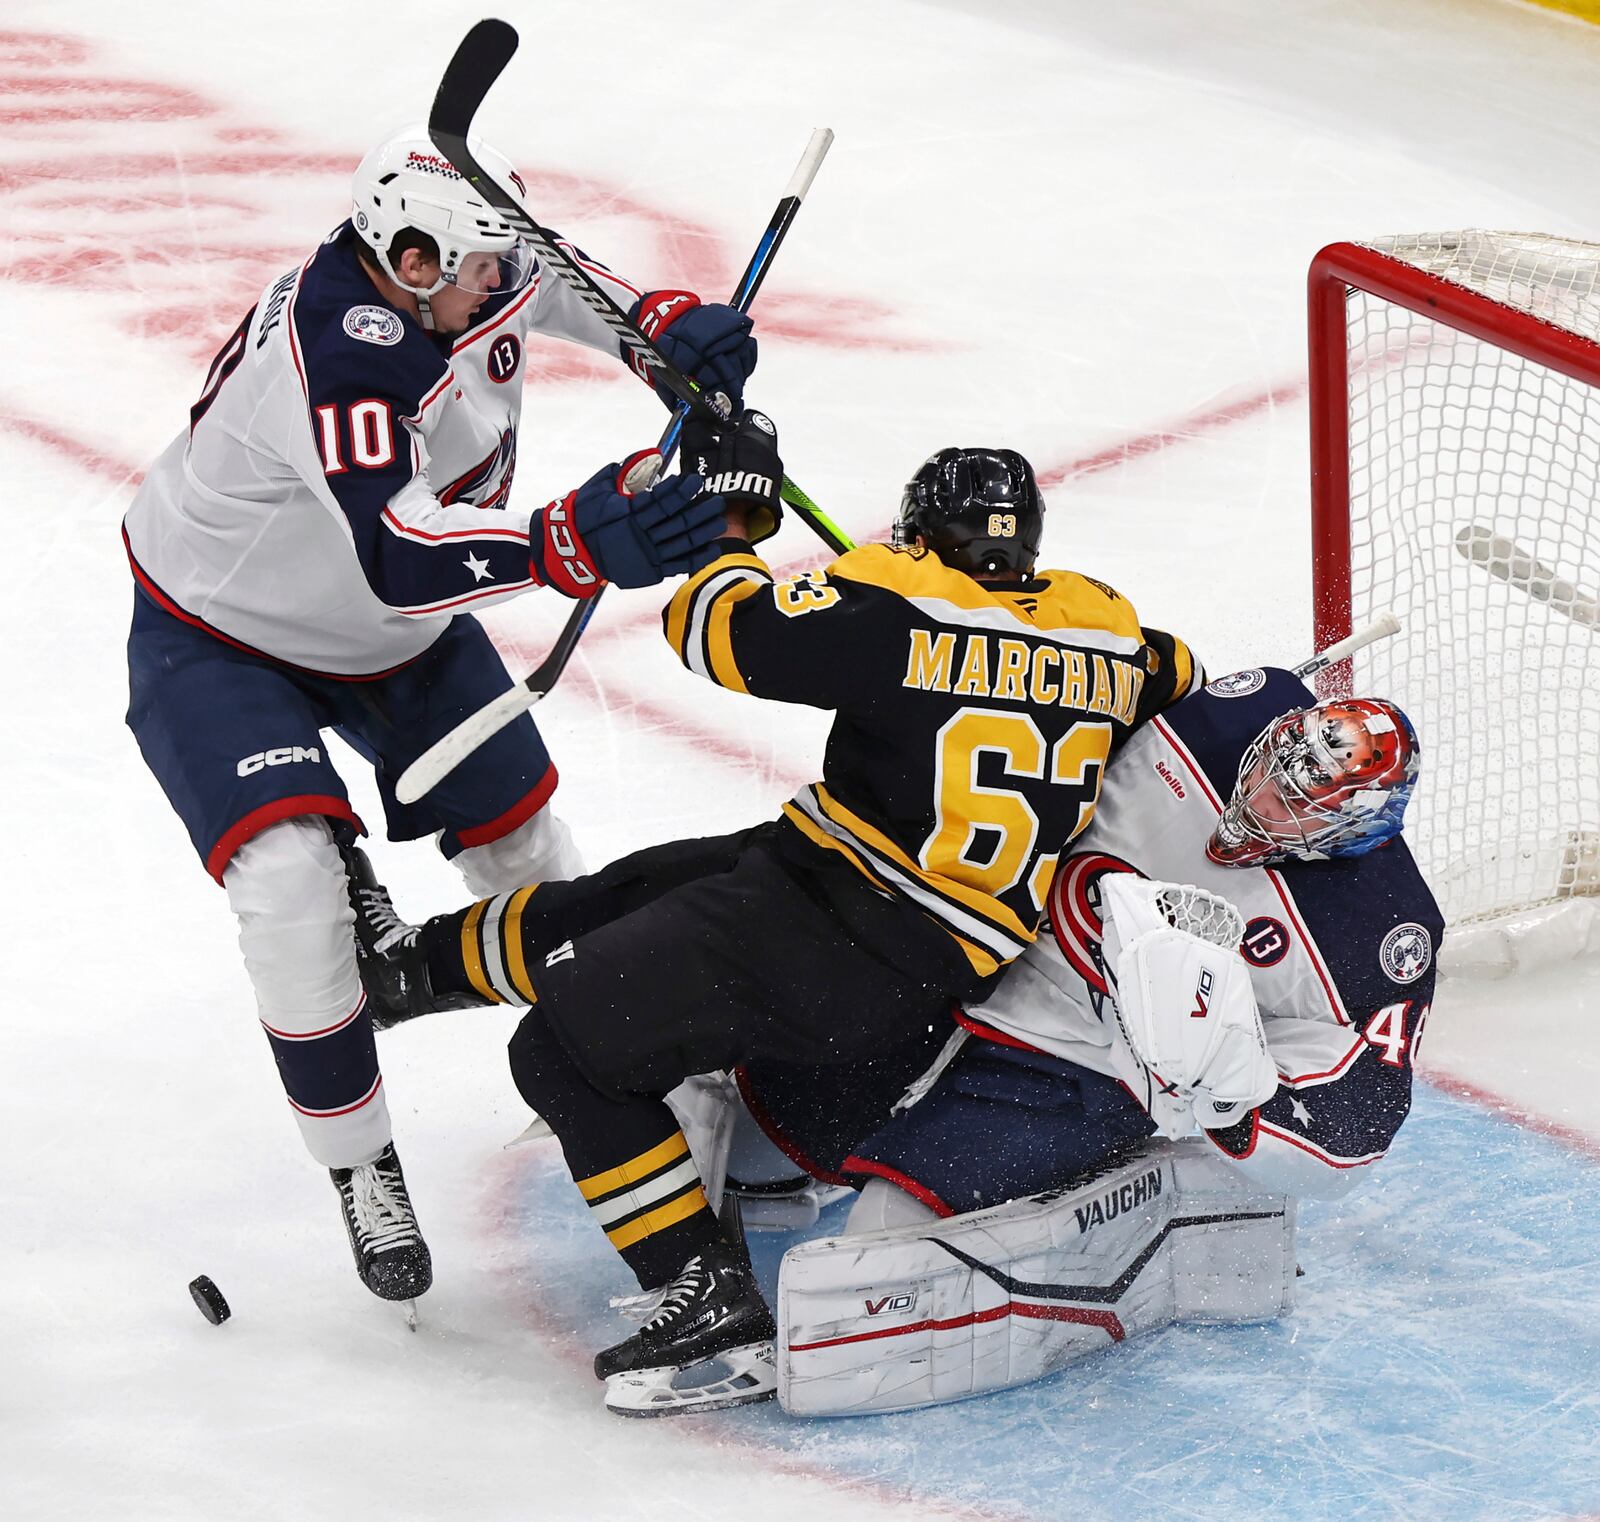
(444, 756)
(1511, 563)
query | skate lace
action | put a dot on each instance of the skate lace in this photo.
(377, 908)
(678, 1295)
(382, 1212)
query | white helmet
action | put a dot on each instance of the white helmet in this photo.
(406, 182)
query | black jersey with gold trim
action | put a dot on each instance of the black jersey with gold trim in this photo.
(974, 719)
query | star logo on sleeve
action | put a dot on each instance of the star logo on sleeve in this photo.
(479, 568)
(1299, 1111)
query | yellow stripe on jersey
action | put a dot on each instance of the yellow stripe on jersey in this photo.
(683, 600)
(974, 899)
(516, 960)
(819, 836)
(1060, 602)
(1183, 661)
(983, 962)
(670, 1214)
(719, 637)
(635, 1169)
(472, 955)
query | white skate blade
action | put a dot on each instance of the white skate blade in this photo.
(537, 1129)
(737, 1377)
(789, 1212)
(409, 1307)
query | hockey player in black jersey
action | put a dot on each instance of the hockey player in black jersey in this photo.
(1289, 810)
(977, 701)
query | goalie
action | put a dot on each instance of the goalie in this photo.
(1248, 979)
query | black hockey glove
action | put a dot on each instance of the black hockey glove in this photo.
(710, 344)
(613, 528)
(740, 464)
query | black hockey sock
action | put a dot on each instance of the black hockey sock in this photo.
(626, 1154)
(441, 943)
(482, 950)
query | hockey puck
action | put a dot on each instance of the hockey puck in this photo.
(209, 1299)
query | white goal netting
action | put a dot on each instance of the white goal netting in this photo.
(1475, 516)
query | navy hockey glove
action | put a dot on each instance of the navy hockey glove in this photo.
(742, 465)
(710, 344)
(605, 531)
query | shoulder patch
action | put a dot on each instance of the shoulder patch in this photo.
(374, 325)
(1406, 952)
(1239, 685)
(1265, 942)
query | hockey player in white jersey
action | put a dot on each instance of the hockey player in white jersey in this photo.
(1278, 1040)
(307, 555)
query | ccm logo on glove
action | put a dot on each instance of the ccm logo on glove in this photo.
(561, 542)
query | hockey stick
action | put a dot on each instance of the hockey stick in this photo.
(1513, 565)
(446, 754)
(478, 62)
(1381, 628)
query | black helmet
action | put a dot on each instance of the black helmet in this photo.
(978, 510)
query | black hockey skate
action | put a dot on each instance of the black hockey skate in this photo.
(393, 969)
(392, 1260)
(708, 1346)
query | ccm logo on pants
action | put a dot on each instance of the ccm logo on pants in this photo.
(283, 755)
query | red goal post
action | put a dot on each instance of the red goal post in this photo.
(1455, 472)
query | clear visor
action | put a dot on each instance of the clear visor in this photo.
(482, 273)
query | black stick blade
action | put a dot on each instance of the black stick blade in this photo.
(479, 61)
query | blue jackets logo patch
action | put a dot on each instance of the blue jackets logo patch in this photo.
(1239, 685)
(1406, 952)
(373, 325)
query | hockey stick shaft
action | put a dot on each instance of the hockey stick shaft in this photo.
(442, 757)
(477, 63)
(1380, 628)
(549, 671)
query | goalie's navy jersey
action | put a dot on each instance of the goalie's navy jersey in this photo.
(343, 489)
(974, 720)
(1342, 953)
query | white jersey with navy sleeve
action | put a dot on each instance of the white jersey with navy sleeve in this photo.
(1341, 952)
(343, 489)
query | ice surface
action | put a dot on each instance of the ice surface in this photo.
(1075, 228)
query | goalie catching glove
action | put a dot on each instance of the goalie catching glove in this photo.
(619, 527)
(741, 464)
(1186, 1008)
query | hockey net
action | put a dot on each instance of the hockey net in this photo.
(1455, 403)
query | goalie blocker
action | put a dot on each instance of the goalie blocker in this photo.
(920, 1315)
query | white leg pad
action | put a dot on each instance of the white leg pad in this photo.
(882, 1206)
(287, 888)
(539, 850)
(922, 1314)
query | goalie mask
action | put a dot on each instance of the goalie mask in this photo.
(1328, 781)
(978, 510)
(407, 182)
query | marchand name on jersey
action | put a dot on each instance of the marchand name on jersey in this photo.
(1013, 671)
(1119, 1201)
